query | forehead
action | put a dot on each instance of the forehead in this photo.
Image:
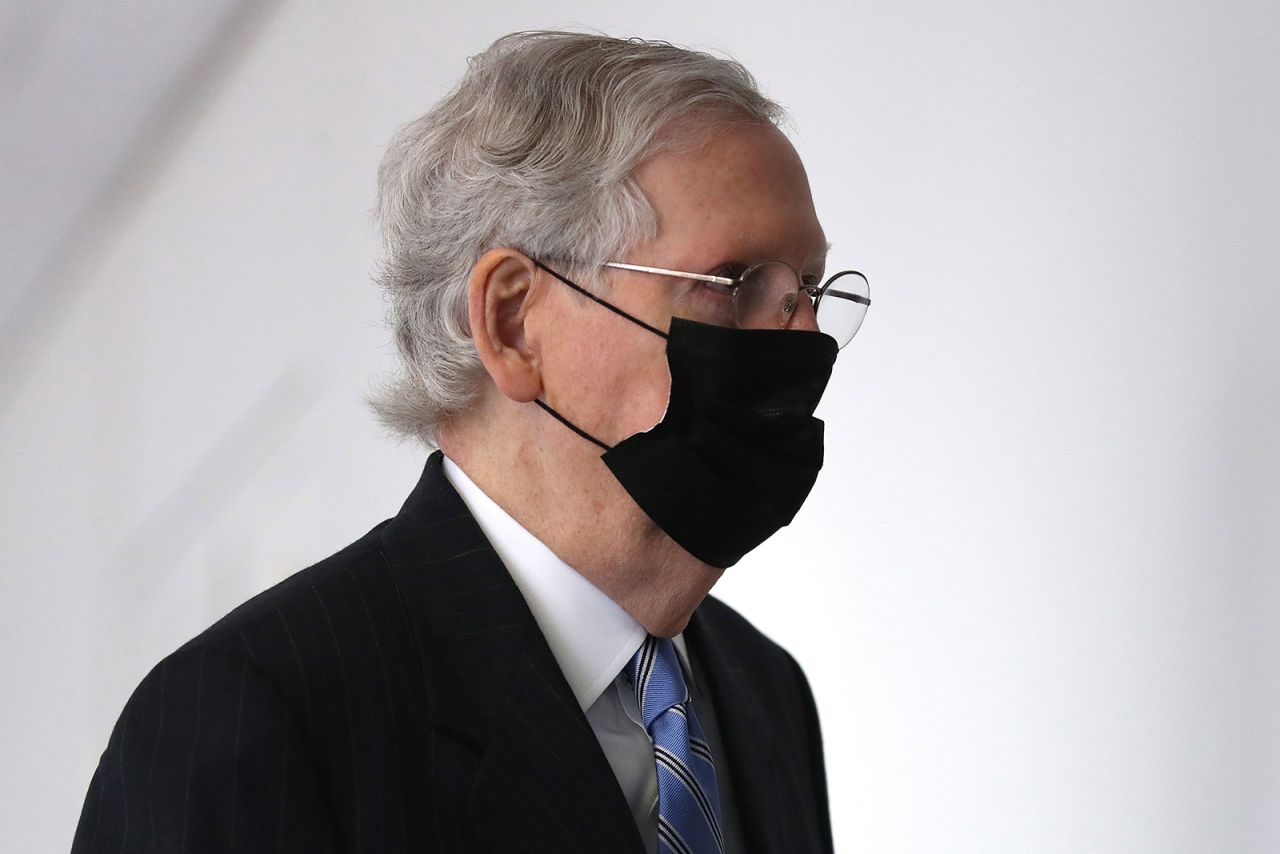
(738, 191)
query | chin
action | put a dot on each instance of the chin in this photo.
(690, 598)
(670, 628)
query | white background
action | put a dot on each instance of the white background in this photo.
(1036, 589)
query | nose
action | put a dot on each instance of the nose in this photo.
(803, 318)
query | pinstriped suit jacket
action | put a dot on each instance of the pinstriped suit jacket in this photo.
(399, 696)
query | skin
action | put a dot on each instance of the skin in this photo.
(739, 197)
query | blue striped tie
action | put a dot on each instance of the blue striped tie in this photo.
(688, 804)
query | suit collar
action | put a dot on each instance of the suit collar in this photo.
(494, 684)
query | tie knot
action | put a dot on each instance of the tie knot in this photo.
(656, 676)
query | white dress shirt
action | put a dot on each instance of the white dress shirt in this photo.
(593, 639)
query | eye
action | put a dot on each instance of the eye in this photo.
(728, 271)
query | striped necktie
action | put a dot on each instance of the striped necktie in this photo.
(688, 803)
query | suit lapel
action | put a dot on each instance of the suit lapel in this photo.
(544, 757)
(539, 776)
(747, 736)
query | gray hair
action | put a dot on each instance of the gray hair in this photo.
(535, 149)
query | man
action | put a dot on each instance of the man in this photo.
(605, 277)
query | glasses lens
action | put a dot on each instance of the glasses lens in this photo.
(767, 297)
(843, 304)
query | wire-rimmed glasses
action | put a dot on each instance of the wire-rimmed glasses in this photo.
(766, 295)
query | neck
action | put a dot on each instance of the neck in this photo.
(555, 485)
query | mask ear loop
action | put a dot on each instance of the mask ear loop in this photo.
(637, 321)
(586, 293)
(566, 422)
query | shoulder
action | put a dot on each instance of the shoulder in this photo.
(316, 692)
(284, 638)
(337, 642)
(728, 641)
(249, 718)
(225, 741)
(718, 623)
(303, 595)
(318, 637)
(761, 693)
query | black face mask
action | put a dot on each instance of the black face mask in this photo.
(738, 449)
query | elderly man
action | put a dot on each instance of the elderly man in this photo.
(606, 282)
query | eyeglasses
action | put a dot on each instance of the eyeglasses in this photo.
(766, 295)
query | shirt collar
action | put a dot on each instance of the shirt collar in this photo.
(590, 635)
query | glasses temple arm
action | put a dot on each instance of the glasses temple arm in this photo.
(659, 271)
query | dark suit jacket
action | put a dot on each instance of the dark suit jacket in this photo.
(399, 696)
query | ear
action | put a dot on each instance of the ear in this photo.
(497, 299)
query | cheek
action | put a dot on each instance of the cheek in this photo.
(629, 383)
(705, 304)
(654, 389)
(632, 391)
(605, 374)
